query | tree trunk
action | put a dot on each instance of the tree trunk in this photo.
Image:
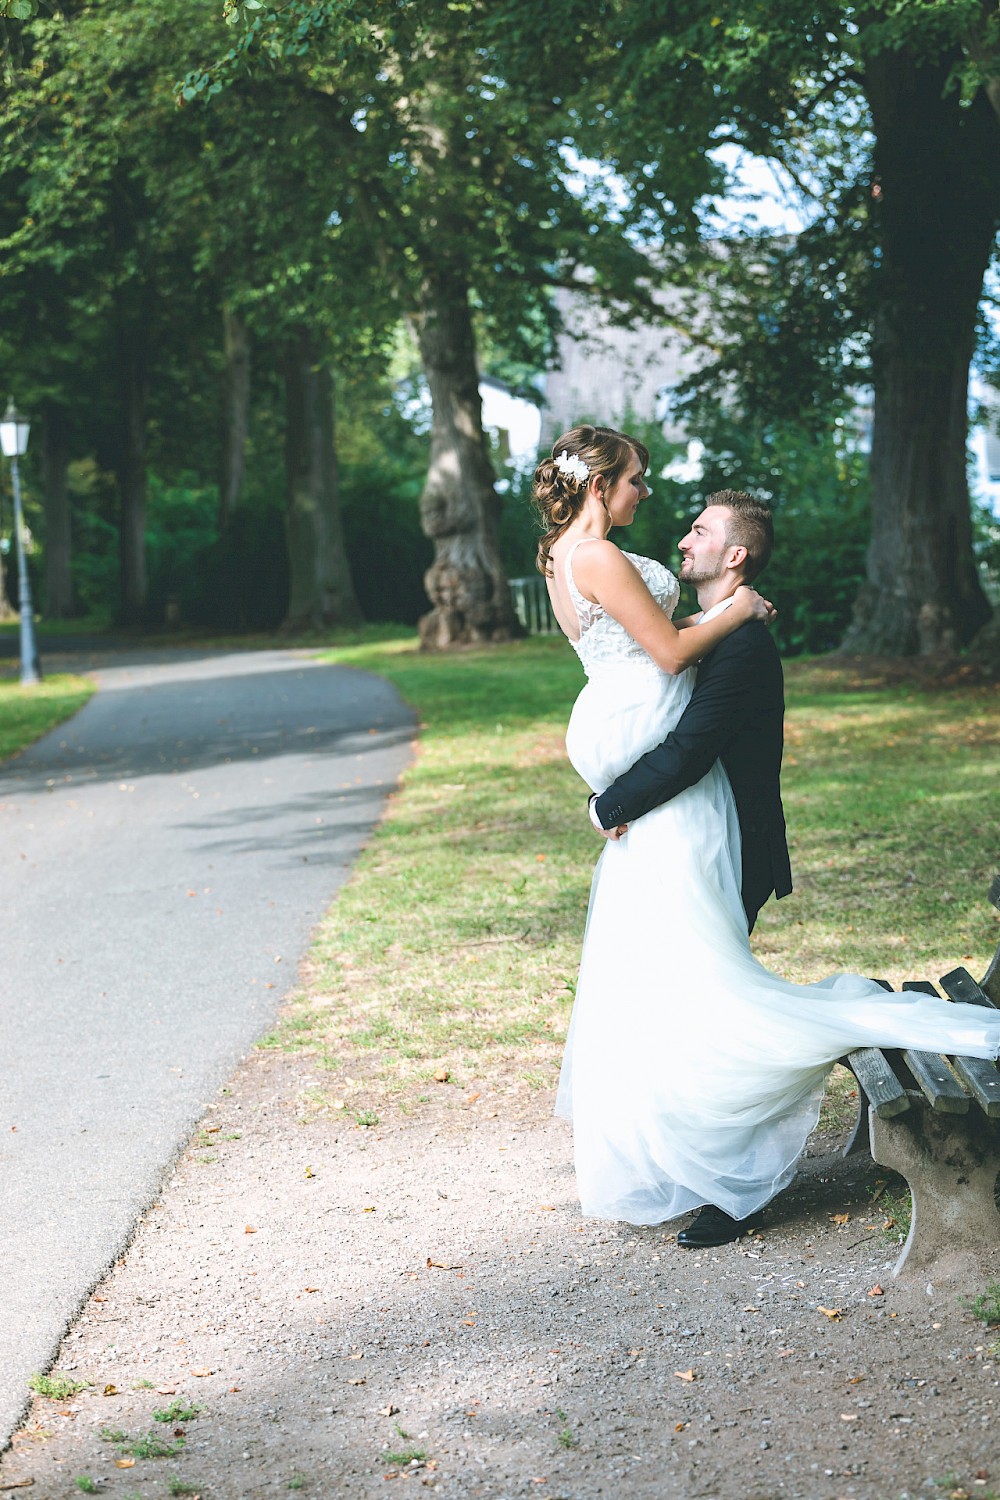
(130, 456)
(7, 610)
(459, 506)
(58, 538)
(235, 413)
(321, 591)
(937, 188)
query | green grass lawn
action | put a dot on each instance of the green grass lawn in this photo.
(454, 947)
(26, 713)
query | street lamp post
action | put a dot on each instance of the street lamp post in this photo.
(14, 441)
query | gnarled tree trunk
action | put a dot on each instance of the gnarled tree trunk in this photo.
(321, 587)
(58, 536)
(938, 198)
(131, 334)
(459, 506)
(235, 412)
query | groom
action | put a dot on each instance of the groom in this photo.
(736, 715)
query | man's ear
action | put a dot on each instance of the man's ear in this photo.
(736, 561)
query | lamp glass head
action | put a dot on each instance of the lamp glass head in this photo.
(14, 431)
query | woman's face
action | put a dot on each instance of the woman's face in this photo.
(623, 497)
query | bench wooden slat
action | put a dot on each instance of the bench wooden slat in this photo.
(958, 984)
(982, 1079)
(937, 1082)
(979, 1075)
(940, 1086)
(885, 1092)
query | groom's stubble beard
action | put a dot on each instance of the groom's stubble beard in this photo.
(698, 575)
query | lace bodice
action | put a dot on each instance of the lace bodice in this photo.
(602, 639)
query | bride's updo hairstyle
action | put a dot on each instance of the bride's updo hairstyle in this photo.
(560, 483)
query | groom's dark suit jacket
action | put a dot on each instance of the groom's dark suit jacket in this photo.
(736, 715)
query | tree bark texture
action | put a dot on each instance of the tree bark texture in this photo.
(937, 190)
(459, 506)
(58, 534)
(235, 413)
(321, 589)
(131, 340)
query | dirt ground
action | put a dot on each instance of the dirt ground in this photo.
(418, 1306)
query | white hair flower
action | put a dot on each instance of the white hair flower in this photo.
(572, 466)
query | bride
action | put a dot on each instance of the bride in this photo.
(692, 1075)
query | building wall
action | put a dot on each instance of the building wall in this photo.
(607, 374)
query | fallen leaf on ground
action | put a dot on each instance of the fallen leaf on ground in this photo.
(855, 1379)
(876, 1291)
(111, 1390)
(679, 1426)
(200, 1373)
(124, 1463)
(784, 1353)
(310, 1288)
(443, 1265)
(388, 1411)
(166, 1390)
(442, 1075)
(471, 1098)
(358, 1380)
(848, 1416)
(249, 1229)
(310, 1172)
(15, 1484)
(547, 1208)
(685, 1375)
(841, 1218)
(833, 1313)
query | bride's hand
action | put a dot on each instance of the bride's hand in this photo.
(751, 606)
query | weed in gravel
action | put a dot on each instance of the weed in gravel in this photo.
(144, 1385)
(985, 1307)
(178, 1486)
(177, 1411)
(566, 1438)
(150, 1445)
(297, 1482)
(404, 1457)
(366, 1117)
(57, 1387)
(86, 1484)
(895, 1212)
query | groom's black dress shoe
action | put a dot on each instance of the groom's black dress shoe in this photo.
(711, 1226)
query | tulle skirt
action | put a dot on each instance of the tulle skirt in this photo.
(692, 1075)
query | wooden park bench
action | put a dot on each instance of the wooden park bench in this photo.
(936, 1121)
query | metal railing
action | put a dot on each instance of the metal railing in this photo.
(530, 598)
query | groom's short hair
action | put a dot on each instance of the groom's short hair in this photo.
(750, 525)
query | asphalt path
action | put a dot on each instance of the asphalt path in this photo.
(164, 857)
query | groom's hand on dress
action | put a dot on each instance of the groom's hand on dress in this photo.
(606, 833)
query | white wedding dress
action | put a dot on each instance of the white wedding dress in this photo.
(692, 1075)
